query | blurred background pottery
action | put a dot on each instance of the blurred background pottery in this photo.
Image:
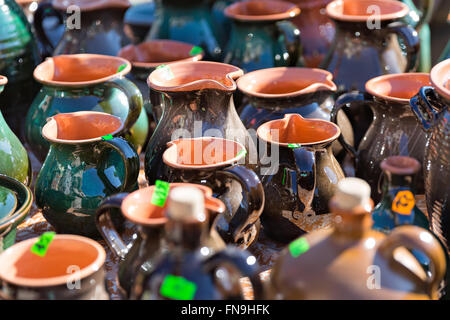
(72, 269)
(86, 163)
(222, 24)
(85, 82)
(139, 19)
(299, 188)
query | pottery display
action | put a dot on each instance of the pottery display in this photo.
(24, 200)
(261, 35)
(190, 263)
(353, 262)
(149, 242)
(86, 163)
(222, 24)
(18, 58)
(72, 269)
(14, 160)
(393, 131)
(100, 86)
(215, 162)
(299, 188)
(91, 26)
(139, 19)
(431, 107)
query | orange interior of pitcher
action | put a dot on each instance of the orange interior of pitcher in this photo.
(402, 86)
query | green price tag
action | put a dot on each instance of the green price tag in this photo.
(195, 50)
(298, 247)
(160, 194)
(294, 145)
(107, 137)
(41, 246)
(177, 288)
(242, 152)
(122, 67)
(166, 71)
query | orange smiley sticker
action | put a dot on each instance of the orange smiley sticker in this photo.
(404, 202)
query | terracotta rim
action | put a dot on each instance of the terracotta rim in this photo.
(7, 259)
(170, 45)
(3, 80)
(392, 10)
(172, 147)
(48, 65)
(52, 123)
(284, 10)
(315, 80)
(400, 165)
(399, 87)
(90, 5)
(440, 78)
(210, 75)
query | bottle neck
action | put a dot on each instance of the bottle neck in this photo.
(186, 235)
(394, 183)
(351, 224)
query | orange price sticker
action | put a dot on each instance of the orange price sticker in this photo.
(403, 202)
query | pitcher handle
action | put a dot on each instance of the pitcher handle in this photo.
(416, 238)
(44, 10)
(423, 109)
(291, 40)
(305, 161)
(412, 42)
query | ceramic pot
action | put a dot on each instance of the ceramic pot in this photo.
(274, 92)
(72, 269)
(18, 58)
(197, 100)
(431, 107)
(393, 131)
(354, 262)
(221, 23)
(187, 21)
(28, 7)
(87, 159)
(100, 87)
(139, 19)
(213, 162)
(299, 188)
(24, 199)
(274, 41)
(14, 158)
(149, 241)
(92, 26)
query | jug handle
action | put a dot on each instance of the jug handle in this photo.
(426, 8)
(412, 42)
(44, 10)
(243, 261)
(417, 238)
(291, 40)
(106, 227)
(305, 161)
(254, 197)
(422, 107)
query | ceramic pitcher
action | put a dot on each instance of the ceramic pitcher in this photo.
(261, 35)
(91, 26)
(85, 82)
(149, 242)
(298, 189)
(86, 163)
(72, 269)
(393, 131)
(431, 107)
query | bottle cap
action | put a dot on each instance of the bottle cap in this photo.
(187, 204)
(352, 193)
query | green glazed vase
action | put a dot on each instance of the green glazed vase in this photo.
(86, 163)
(14, 160)
(101, 87)
(18, 58)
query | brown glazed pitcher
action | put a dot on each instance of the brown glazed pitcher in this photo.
(353, 262)
(298, 190)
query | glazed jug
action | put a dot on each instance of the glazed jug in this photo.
(393, 131)
(188, 270)
(139, 19)
(149, 241)
(187, 21)
(14, 160)
(71, 269)
(196, 99)
(261, 35)
(431, 107)
(274, 92)
(85, 82)
(299, 188)
(354, 262)
(18, 58)
(215, 162)
(86, 163)
(91, 26)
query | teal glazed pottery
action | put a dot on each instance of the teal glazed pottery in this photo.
(85, 82)
(14, 160)
(8, 202)
(261, 35)
(139, 19)
(187, 21)
(221, 23)
(24, 199)
(98, 28)
(18, 58)
(86, 163)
